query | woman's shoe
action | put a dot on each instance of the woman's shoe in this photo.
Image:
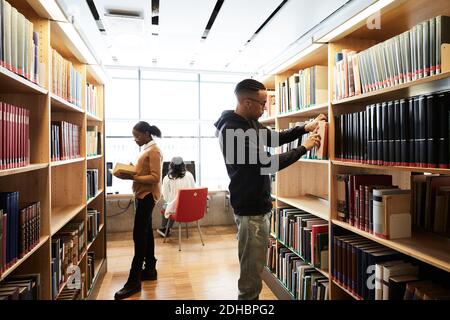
(149, 274)
(132, 286)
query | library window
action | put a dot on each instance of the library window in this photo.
(183, 105)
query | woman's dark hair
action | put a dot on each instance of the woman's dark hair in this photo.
(177, 168)
(144, 127)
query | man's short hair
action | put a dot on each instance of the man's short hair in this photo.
(248, 86)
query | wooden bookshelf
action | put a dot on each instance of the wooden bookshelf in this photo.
(59, 104)
(92, 117)
(267, 121)
(399, 168)
(16, 265)
(31, 167)
(400, 91)
(64, 162)
(12, 82)
(323, 272)
(95, 197)
(426, 247)
(306, 112)
(306, 183)
(324, 162)
(94, 157)
(316, 206)
(348, 292)
(59, 186)
(62, 215)
(277, 287)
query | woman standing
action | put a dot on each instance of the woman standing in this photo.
(146, 189)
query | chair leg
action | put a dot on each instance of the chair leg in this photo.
(167, 230)
(187, 231)
(200, 232)
(179, 237)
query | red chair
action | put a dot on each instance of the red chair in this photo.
(191, 206)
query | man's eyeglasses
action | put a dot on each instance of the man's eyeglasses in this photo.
(262, 103)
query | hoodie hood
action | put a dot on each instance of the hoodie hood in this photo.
(231, 120)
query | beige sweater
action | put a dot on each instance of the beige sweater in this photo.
(148, 168)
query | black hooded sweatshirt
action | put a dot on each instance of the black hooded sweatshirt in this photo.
(249, 186)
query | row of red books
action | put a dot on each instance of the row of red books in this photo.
(14, 136)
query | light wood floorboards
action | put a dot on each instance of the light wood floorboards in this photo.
(198, 272)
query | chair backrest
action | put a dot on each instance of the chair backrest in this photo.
(191, 204)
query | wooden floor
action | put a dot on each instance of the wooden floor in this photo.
(198, 272)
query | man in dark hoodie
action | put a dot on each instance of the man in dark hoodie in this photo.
(243, 141)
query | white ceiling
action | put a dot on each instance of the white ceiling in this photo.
(181, 25)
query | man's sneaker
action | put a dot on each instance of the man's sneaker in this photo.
(162, 232)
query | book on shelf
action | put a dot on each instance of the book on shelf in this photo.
(308, 87)
(93, 224)
(92, 183)
(391, 213)
(92, 106)
(67, 246)
(407, 132)
(65, 141)
(430, 201)
(19, 44)
(93, 141)
(91, 268)
(66, 79)
(412, 55)
(14, 136)
(122, 168)
(21, 287)
(9, 203)
(386, 211)
(271, 254)
(305, 233)
(371, 271)
(319, 153)
(270, 108)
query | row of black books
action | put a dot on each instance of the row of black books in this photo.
(19, 228)
(305, 233)
(412, 55)
(14, 136)
(92, 183)
(93, 224)
(66, 80)
(21, 287)
(407, 132)
(371, 271)
(371, 203)
(65, 141)
(308, 87)
(68, 246)
(19, 43)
